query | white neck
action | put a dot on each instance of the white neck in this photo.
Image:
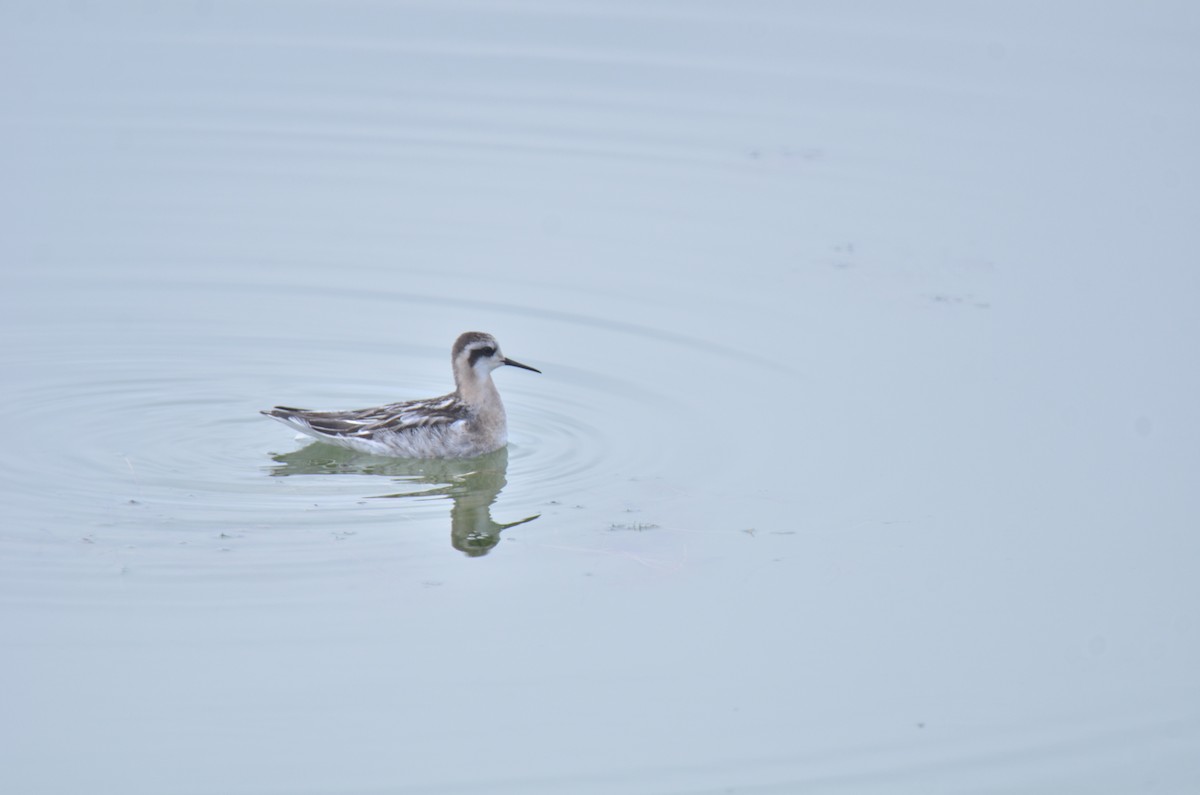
(478, 390)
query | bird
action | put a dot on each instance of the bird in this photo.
(468, 422)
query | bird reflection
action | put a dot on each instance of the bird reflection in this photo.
(472, 484)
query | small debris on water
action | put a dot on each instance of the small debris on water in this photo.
(965, 299)
(636, 526)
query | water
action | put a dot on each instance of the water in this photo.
(863, 460)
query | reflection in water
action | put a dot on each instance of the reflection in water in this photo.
(473, 484)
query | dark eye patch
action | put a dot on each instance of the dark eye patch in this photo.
(485, 352)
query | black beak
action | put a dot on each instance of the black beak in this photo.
(515, 363)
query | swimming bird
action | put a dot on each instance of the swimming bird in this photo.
(469, 421)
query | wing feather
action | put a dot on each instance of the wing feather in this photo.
(365, 423)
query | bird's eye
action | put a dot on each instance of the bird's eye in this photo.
(487, 352)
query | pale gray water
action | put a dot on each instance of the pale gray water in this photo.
(865, 457)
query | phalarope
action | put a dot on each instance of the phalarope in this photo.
(469, 421)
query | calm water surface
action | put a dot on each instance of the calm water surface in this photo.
(864, 457)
